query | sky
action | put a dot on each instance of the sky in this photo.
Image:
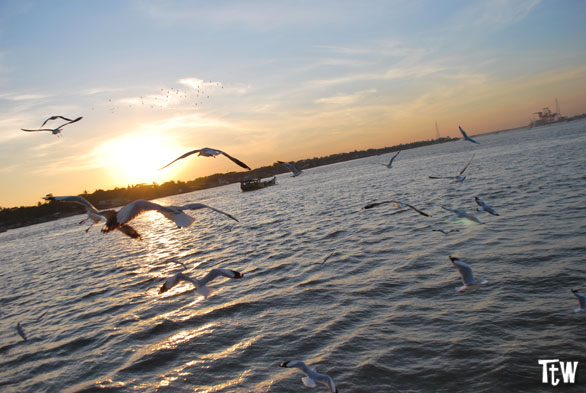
(265, 81)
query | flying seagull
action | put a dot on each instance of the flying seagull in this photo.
(466, 274)
(61, 117)
(312, 376)
(390, 164)
(54, 131)
(292, 168)
(398, 205)
(200, 285)
(209, 152)
(118, 219)
(485, 207)
(466, 137)
(92, 213)
(581, 299)
(458, 178)
(462, 214)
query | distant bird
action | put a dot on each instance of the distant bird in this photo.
(390, 164)
(292, 168)
(92, 213)
(200, 285)
(54, 131)
(466, 137)
(466, 274)
(118, 219)
(61, 117)
(458, 178)
(445, 232)
(462, 214)
(581, 300)
(328, 257)
(398, 205)
(20, 331)
(208, 152)
(485, 207)
(312, 376)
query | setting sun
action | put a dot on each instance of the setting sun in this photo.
(136, 159)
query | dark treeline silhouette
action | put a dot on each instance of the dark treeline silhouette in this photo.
(16, 217)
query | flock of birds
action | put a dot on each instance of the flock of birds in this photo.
(119, 220)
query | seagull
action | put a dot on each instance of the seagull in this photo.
(202, 289)
(458, 178)
(326, 258)
(466, 273)
(54, 131)
(398, 205)
(462, 214)
(485, 207)
(61, 117)
(295, 171)
(92, 213)
(390, 164)
(581, 299)
(20, 331)
(445, 232)
(466, 137)
(312, 376)
(209, 152)
(118, 219)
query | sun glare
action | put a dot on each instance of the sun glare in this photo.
(136, 159)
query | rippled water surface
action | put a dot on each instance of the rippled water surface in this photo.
(380, 315)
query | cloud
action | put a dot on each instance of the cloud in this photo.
(346, 99)
(495, 13)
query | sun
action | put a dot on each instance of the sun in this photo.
(137, 159)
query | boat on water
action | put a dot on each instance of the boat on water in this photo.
(257, 184)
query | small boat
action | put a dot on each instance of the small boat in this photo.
(256, 184)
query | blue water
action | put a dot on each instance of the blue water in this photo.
(380, 315)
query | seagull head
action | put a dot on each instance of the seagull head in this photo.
(284, 364)
(575, 290)
(453, 259)
(238, 274)
(163, 288)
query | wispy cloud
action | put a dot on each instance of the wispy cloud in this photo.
(496, 13)
(346, 99)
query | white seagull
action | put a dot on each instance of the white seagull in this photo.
(20, 331)
(209, 152)
(312, 376)
(118, 219)
(200, 285)
(466, 137)
(292, 168)
(458, 178)
(581, 300)
(390, 164)
(485, 207)
(54, 131)
(92, 213)
(466, 273)
(462, 214)
(398, 205)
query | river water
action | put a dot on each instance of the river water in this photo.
(380, 315)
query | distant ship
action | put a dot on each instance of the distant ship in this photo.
(546, 116)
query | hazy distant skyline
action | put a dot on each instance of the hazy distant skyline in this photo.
(285, 81)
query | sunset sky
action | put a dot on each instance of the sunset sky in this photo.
(277, 80)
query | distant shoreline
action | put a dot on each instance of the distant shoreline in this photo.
(17, 217)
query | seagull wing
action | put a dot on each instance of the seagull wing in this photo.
(371, 205)
(55, 118)
(393, 158)
(69, 122)
(465, 271)
(466, 137)
(235, 160)
(217, 273)
(440, 177)
(581, 299)
(465, 166)
(297, 364)
(129, 231)
(74, 199)
(174, 280)
(134, 209)
(41, 129)
(290, 166)
(183, 156)
(195, 206)
(417, 210)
